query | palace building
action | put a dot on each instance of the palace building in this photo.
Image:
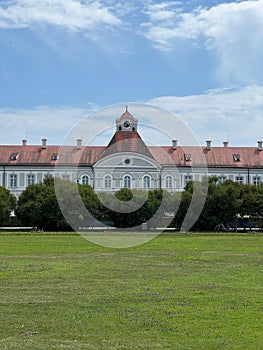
(127, 162)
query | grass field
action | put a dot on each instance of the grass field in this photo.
(178, 291)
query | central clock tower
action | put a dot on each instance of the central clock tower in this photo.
(126, 122)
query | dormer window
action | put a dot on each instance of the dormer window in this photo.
(236, 157)
(54, 156)
(187, 157)
(14, 156)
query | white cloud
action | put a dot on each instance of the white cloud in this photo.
(39, 122)
(60, 125)
(220, 115)
(234, 31)
(74, 15)
(162, 11)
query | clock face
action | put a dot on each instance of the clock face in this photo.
(126, 124)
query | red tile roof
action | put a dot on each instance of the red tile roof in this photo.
(126, 115)
(126, 141)
(216, 157)
(36, 155)
(131, 142)
(224, 157)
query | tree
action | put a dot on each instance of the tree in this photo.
(251, 200)
(38, 207)
(184, 204)
(7, 204)
(128, 209)
(92, 208)
(221, 205)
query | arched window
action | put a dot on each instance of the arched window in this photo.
(85, 180)
(127, 181)
(146, 182)
(169, 181)
(107, 181)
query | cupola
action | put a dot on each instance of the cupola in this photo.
(126, 122)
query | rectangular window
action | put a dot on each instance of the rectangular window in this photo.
(187, 179)
(13, 180)
(256, 180)
(239, 179)
(65, 177)
(222, 179)
(30, 179)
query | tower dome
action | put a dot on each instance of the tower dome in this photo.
(126, 122)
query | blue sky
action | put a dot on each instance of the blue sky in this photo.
(63, 59)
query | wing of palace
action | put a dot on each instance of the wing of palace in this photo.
(128, 162)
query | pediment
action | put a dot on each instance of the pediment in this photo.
(127, 160)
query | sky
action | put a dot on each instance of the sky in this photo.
(201, 61)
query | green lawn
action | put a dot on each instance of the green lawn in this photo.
(175, 292)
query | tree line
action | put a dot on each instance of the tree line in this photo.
(38, 206)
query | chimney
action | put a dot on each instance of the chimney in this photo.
(208, 145)
(44, 143)
(260, 145)
(225, 143)
(24, 142)
(174, 144)
(79, 143)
